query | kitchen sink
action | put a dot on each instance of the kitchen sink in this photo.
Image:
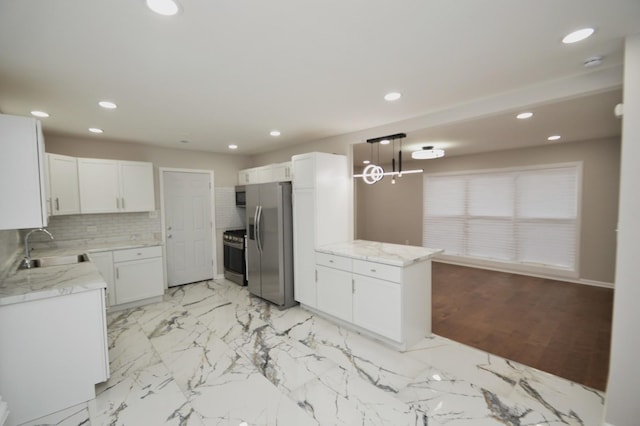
(43, 262)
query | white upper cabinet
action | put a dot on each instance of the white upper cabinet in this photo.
(99, 186)
(109, 186)
(64, 193)
(279, 172)
(22, 173)
(136, 186)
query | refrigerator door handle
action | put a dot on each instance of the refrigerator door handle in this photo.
(259, 227)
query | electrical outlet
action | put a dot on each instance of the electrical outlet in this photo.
(92, 229)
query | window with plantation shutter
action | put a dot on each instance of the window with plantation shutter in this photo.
(525, 216)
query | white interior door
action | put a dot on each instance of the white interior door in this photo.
(188, 226)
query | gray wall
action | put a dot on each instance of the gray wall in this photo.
(393, 213)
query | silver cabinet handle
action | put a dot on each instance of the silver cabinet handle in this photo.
(373, 270)
(330, 260)
(316, 275)
(123, 207)
(353, 286)
(117, 203)
(117, 273)
(57, 204)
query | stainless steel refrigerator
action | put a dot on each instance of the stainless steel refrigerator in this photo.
(270, 242)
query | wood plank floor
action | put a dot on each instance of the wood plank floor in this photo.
(559, 327)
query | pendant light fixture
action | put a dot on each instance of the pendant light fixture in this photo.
(374, 173)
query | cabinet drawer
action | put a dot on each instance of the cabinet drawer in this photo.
(378, 270)
(137, 253)
(333, 261)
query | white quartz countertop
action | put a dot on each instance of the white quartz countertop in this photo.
(374, 251)
(23, 285)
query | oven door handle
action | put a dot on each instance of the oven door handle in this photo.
(238, 246)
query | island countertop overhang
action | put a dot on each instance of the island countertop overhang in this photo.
(379, 252)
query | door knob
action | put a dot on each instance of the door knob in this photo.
(169, 236)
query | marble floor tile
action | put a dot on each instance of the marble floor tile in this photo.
(212, 354)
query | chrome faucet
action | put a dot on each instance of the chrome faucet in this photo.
(26, 262)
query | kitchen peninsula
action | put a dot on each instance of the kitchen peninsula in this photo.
(380, 289)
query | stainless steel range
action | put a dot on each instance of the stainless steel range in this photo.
(234, 243)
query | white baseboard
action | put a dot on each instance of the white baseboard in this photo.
(582, 281)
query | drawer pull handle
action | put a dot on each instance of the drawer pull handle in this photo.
(331, 261)
(139, 254)
(373, 270)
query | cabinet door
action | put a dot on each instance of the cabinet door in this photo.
(136, 183)
(99, 185)
(243, 177)
(334, 290)
(22, 183)
(138, 279)
(377, 306)
(281, 172)
(104, 263)
(63, 180)
(304, 245)
(304, 170)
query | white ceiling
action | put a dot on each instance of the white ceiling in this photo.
(229, 71)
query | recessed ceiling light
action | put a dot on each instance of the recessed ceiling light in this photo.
(233, 146)
(578, 35)
(95, 130)
(392, 96)
(40, 114)
(553, 138)
(524, 115)
(365, 161)
(107, 105)
(163, 7)
(274, 133)
(385, 142)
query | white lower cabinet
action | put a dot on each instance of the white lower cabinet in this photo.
(53, 353)
(390, 302)
(104, 262)
(132, 275)
(334, 289)
(377, 306)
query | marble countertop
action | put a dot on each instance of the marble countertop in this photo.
(22, 285)
(373, 251)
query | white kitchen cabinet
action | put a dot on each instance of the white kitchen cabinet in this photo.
(334, 285)
(104, 263)
(247, 176)
(109, 186)
(54, 351)
(281, 172)
(390, 289)
(321, 214)
(64, 193)
(377, 306)
(22, 173)
(138, 274)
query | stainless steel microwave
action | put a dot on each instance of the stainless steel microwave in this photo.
(241, 196)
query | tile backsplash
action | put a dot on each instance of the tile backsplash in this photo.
(109, 226)
(228, 216)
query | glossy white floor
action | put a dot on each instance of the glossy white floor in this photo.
(211, 354)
